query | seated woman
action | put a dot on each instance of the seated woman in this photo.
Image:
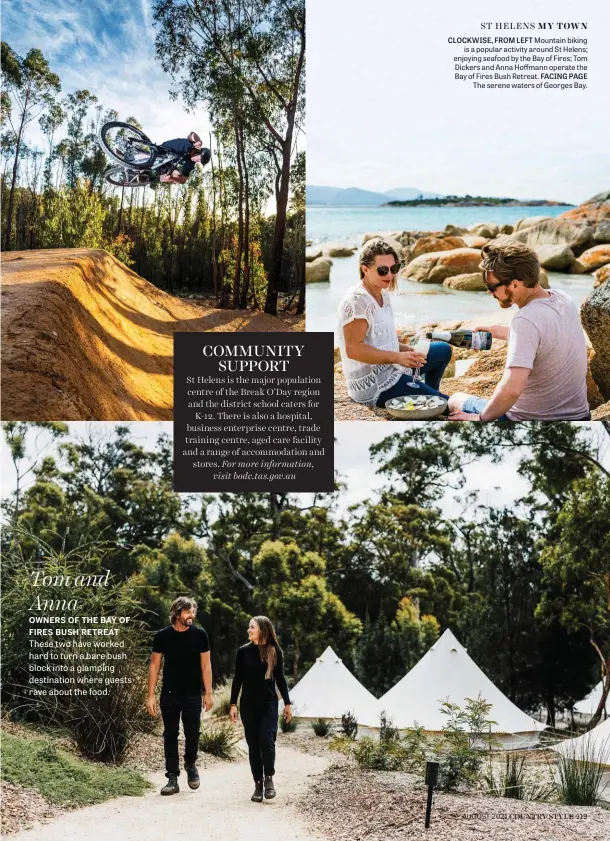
(376, 365)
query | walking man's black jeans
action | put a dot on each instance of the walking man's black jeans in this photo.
(260, 728)
(172, 707)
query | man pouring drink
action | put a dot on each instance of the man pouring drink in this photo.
(546, 365)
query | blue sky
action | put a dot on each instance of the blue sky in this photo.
(500, 482)
(384, 109)
(106, 47)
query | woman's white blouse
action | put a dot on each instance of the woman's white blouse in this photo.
(365, 382)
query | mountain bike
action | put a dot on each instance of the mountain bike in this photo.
(137, 158)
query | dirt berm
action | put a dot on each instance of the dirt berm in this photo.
(85, 338)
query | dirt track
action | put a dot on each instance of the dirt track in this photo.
(85, 338)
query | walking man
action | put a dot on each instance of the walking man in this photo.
(187, 674)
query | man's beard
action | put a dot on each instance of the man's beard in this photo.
(506, 303)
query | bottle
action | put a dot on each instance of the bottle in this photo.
(479, 340)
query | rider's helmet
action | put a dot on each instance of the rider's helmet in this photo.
(205, 156)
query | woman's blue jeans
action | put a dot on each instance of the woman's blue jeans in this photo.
(438, 358)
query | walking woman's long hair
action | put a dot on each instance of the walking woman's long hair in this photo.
(267, 643)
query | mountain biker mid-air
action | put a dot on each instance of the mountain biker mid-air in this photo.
(192, 152)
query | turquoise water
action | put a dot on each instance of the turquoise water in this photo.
(414, 303)
(332, 224)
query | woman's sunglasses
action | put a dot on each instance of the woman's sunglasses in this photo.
(382, 271)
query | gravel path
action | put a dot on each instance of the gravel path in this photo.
(220, 810)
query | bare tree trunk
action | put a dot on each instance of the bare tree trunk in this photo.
(605, 688)
(246, 285)
(120, 224)
(11, 198)
(223, 231)
(214, 264)
(240, 213)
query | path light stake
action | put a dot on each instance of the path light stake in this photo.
(431, 781)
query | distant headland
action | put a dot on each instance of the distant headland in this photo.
(474, 201)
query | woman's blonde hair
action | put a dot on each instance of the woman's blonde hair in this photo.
(375, 248)
(267, 644)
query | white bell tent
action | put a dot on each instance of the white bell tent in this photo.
(446, 672)
(329, 689)
(593, 745)
(588, 706)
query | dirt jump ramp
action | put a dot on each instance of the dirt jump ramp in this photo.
(85, 338)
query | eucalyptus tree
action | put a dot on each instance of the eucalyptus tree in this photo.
(31, 85)
(236, 52)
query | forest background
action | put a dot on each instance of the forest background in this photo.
(523, 585)
(235, 231)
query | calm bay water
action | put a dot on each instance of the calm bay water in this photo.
(334, 224)
(414, 303)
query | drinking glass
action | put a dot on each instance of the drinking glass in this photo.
(421, 345)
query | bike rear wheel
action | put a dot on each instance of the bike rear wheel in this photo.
(122, 176)
(126, 144)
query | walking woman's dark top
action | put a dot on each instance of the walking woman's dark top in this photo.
(250, 677)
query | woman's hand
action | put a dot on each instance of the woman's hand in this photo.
(288, 713)
(233, 713)
(151, 706)
(410, 359)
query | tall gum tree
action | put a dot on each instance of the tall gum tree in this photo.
(31, 84)
(256, 49)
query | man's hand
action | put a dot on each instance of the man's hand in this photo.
(151, 706)
(464, 416)
(410, 359)
(288, 713)
(208, 702)
(498, 331)
(233, 713)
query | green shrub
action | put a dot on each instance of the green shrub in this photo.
(222, 701)
(388, 734)
(579, 774)
(220, 740)
(463, 744)
(342, 744)
(391, 752)
(514, 782)
(63, 779)
(321, 727)
(375, 755)
(349, 725)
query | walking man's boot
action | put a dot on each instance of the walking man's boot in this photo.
(258, 792)
(192, 775)
(171, 787)
(269, 788)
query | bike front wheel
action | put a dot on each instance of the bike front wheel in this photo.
(127, 144)
(121, 176)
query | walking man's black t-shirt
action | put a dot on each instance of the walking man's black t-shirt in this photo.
(181, 652)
